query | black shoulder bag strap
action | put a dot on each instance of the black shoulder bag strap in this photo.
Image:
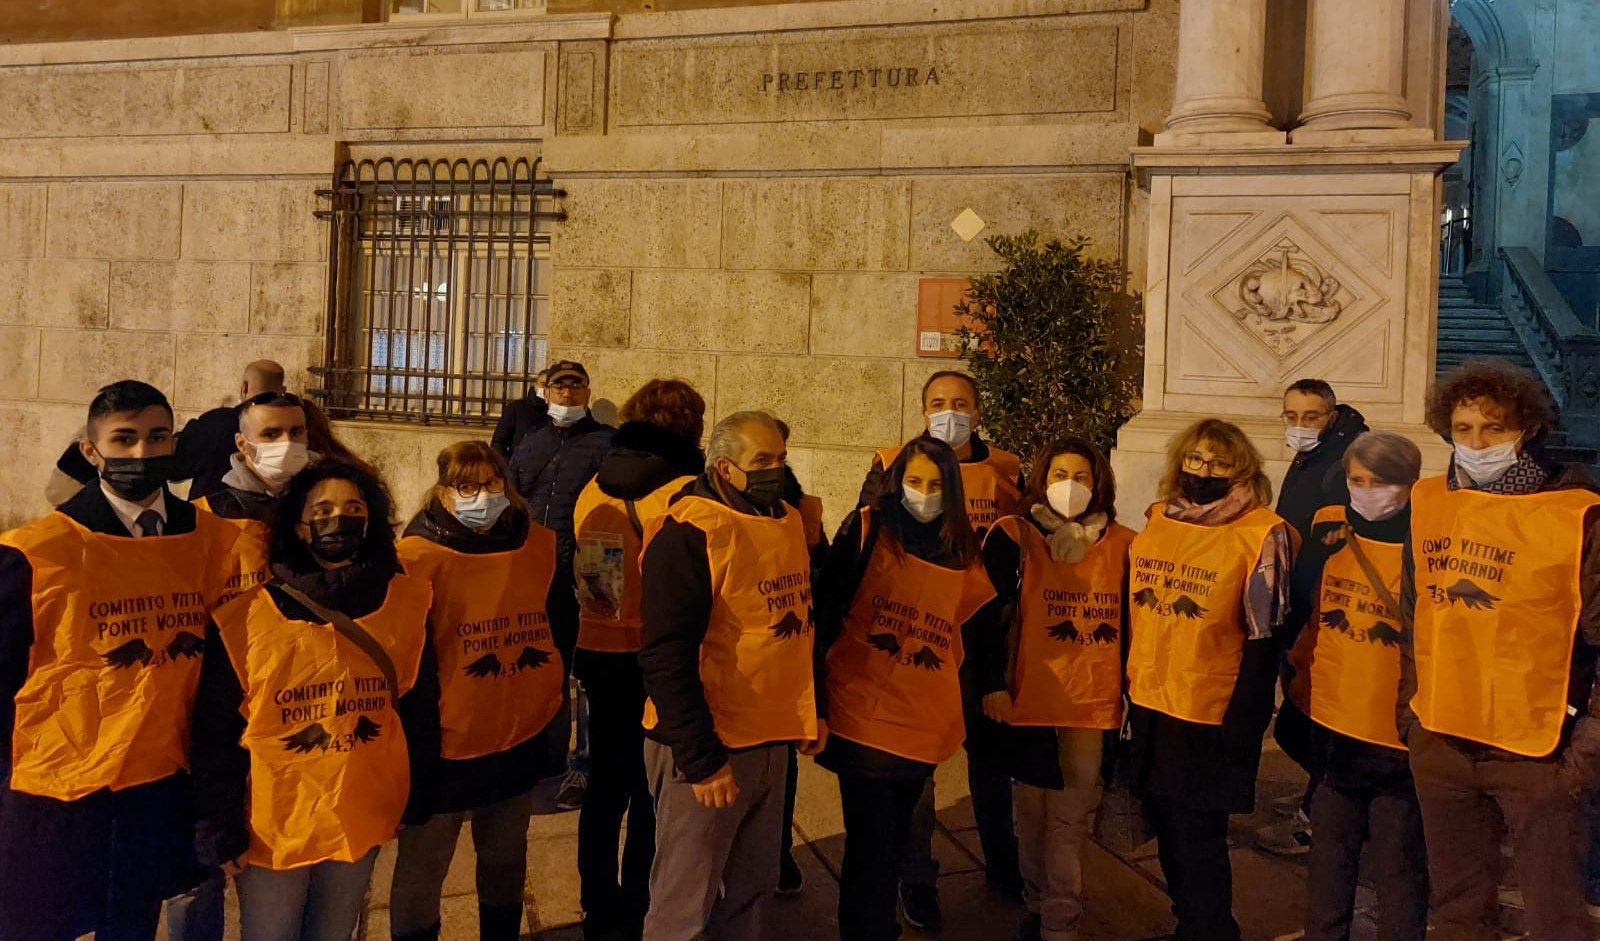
(633, 518)
(352, 632)
(1371, 571)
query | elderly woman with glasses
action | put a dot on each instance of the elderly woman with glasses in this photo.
(500, 676)
(1209, 583)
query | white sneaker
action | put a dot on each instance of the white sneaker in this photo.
(1291, 837)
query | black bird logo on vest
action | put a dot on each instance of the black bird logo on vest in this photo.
(790, 626)
(884, 641)
(1065, 631)
(1188, 607)
(1384, 634)
(1104, 633)
(1336, 619)
(532, 658)
(486, 665)
(927, 659)
(1469, 594)
(1146, 598)
(366, 730)
(312, 736)
(134, 651)
(185, 644)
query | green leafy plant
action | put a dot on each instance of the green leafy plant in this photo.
(1047, 340)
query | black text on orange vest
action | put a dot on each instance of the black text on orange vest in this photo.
(910, 635)
(1474, 563)
(1170, 588)
(788, 593)
(138, 618)
(496, 640)
(1085, 617)
(1340, 596)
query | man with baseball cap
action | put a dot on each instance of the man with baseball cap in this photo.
(550, 468)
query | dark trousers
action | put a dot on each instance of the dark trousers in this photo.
(1193, 847)
(1344, 819)
(991, 810)
(102, 863)
(1468, 801)
(877, 821)
(791, 784)
(618, 788)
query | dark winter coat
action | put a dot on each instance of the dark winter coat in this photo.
(517, 421)
(206, 449)
(551, 467)
(1315, 479)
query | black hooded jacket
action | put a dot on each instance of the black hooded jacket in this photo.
(1316, 479)
(644, 458)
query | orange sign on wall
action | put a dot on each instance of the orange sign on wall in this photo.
(937, 320)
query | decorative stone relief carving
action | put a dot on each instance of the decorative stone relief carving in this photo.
(1511, 164)
(1284, 296)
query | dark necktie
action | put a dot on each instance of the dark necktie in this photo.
(149, 523)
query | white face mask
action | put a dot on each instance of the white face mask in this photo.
(1380, 502)
(567, 414)
(923, 507)
(539, 394)
(1068, 498)
(1301, 439)
(953, 428)
(276, 462)
(481, 511)
(1487, 465)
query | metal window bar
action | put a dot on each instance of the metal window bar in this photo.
(438, 298)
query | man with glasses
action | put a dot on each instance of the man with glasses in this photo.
(206, 443)
(550, 468)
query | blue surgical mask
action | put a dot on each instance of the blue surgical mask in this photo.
(480, 512)
(1487, 465)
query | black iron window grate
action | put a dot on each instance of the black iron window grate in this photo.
(438, 292)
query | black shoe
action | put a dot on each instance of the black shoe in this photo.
(920, 905)
(499, 922)
(426, 934)
(790, 879)
(1031, 929)
(1008, 887)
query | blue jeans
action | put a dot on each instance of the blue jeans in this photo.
(321, 902)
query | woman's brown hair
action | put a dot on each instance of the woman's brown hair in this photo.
(457, 463)
(1226, 441)
(1103, 495)
(1502, 390)
(671, 404)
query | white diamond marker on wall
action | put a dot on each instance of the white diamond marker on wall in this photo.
(968, 224)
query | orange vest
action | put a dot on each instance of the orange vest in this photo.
(755, 661)
(606, 565)
(1497, 612)
(1347, 658)
(500, 675)
(329, 776)
(1187, 590)
(893, 679)
(250, 569)
(119, 626)
(1068, 668)
(990, 485)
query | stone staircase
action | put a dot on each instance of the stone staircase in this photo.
(1470, 330)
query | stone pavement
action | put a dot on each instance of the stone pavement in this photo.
(1126, 900)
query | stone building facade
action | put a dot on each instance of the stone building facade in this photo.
(752, 197)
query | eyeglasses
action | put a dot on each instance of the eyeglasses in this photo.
(1193, 462)
(568, 384)
(470, 489)
(275, 398)
(1312, 417)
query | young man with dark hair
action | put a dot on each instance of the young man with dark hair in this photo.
(272, 449)
(206, 446)
(103, 610)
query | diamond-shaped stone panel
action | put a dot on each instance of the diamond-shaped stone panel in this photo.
(968, 224)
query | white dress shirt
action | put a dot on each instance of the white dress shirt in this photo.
(128, 512)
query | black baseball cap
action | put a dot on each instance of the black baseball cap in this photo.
(566, 369)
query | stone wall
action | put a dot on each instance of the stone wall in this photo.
(753, 195)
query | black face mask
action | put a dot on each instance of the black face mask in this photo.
(764, 488)
(337, 538)
(1203, 490)
(136, 478)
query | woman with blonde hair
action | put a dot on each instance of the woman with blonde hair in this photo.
(500, 676)
(1209, 583)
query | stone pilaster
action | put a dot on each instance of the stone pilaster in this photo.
(1221, 56)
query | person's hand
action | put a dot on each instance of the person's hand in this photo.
(813, 747)
(234, 866)
(997, 706)
(718, 791)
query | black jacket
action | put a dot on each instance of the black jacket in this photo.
(205, 447)
(220, 763)
(676, 600)
(1315, 479)
(471, 783)
(982, 670)
(517, 420)
(872, 486)
(551, 467)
